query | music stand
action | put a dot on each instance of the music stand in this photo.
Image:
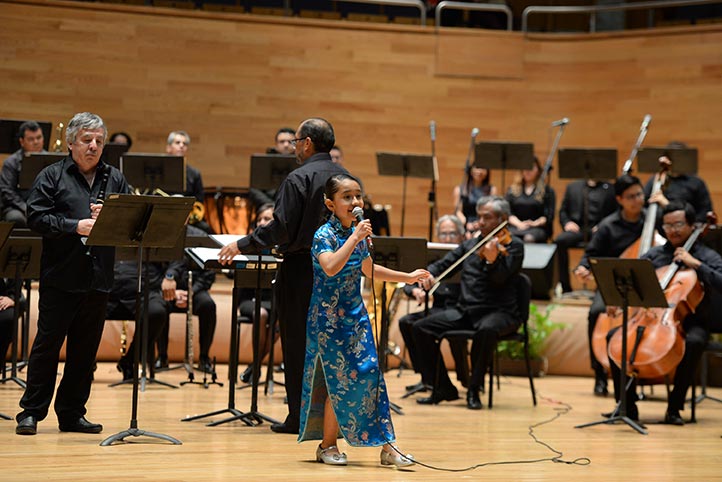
(684, 161)
(142, 222)
(625, 283)
(406, 165)
(33, 164)
(504, 155)
(19, 259)
(269, 170)
(149, 172)
(9, 142)
(249, 271)
(112, 153)
(401, 254)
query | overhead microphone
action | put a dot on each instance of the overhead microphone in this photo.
(474, 132)
(432, 130)
(646, 121)
(560, 122)
(359, 214)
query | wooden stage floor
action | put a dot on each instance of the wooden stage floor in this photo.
(447, 435)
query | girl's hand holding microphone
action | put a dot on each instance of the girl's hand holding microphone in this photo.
(363, 230)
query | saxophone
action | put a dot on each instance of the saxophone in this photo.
(58, 144)
(198, 211)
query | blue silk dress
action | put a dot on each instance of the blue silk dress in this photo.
(341, 358)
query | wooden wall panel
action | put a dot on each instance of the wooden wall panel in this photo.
(232, 80)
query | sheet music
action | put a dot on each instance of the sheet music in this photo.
(224, 239)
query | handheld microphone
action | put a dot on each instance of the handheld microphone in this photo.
(432, 130)
(359, 214)
(560, 122)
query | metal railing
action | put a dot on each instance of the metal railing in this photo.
(594, 10)
(397, 3)
(483, 7)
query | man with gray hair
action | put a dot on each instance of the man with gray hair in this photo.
(487, 303)
(64, 202)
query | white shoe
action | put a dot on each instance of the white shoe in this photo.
(397, 459)
(330, 455)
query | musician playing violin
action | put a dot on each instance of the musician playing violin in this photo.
(678, 224)
(616, 232)
(487, 303)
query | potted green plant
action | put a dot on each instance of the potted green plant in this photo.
(511, 353)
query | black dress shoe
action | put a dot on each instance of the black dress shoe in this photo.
(125, 366)
(27, 426)
(205, 365)
(600, 387)
(247, 374)
(161, 362)
(81, 425)
(672, 417)
(284, 428)
(472, 399)
(438, 396)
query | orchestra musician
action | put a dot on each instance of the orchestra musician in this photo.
(585, 204)
(681, 187)
(74, 279)
(30, 137)
(298, 213)
(283, 146)
(487, 304)
(532, 205)
(615, 233)
(449, 229)
(678, 220)
(476, 185)
(177, 144)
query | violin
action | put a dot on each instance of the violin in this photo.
(655, 339)
(500, 233)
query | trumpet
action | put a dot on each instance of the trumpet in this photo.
(58, 144)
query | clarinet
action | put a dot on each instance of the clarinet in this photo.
(100, 198)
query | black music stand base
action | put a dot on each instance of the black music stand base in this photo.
(136, 432)
(5, 417)
(191, 376)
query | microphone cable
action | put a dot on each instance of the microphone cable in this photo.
(562, 409)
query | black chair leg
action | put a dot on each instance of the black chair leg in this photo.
(529, 373)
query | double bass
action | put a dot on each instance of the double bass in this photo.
(648, 238)
(655, 339)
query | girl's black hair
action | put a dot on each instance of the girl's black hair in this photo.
(334, 183)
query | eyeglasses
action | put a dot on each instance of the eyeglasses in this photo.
(676, 226)
(451, 234)
(294, 141)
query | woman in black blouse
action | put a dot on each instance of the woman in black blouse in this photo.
(532, 206)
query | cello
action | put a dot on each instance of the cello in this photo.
(648, 238)
(655, 339)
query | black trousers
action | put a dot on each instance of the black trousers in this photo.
(564, 241)
(294, 283)
(6, 332)
(598, 307)
(695, 340)
(157, 319)
(205, 309)
(458, 347)
(489, 327)
(79, 317)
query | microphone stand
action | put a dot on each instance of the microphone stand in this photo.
(465, 186)
(642, 134)
(432, 192)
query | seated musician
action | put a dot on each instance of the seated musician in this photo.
(121, 306)
(678, 220)
(449, 229)
(283, 146)
(7, 302)
(615, 233)
(478, 184)
(532, 204)
(177, 144)
(30, 137)
(175, 292)
(487, 303)
(585, 204)
(681, 187)
(264, 215)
